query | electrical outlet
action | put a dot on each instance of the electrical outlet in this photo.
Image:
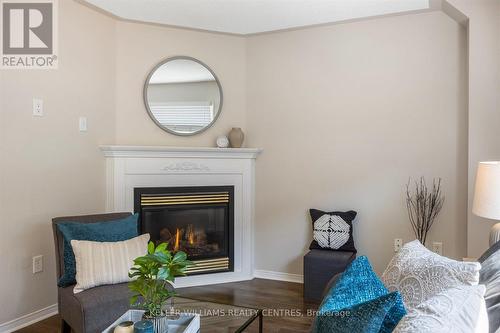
(37, 264)
(37, 107)
(398, 244)
(437, 247)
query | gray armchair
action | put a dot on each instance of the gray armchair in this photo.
(94, 309)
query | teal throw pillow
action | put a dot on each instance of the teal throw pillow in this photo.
(359, 302)
(112, 231)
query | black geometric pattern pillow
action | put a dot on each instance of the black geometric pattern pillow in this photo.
(332, 230)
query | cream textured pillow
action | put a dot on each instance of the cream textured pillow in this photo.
(455, 310)
(419, 274)
(99, 263)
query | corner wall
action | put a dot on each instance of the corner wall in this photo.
(50, 169)
(346, 113)
(483, 102)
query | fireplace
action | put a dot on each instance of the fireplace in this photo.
(196, 220)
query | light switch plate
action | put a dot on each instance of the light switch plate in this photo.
(37, 107)
(82, 124)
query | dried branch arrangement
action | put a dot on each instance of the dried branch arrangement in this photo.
(423, 206)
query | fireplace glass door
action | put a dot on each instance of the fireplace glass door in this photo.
(197, 221)
(200, 232)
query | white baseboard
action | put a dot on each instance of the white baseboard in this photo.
(28, 319)
(280, 276)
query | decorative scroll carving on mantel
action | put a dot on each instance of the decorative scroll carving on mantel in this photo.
(186, 166)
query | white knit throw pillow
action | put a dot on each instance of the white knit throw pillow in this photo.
(100, 263)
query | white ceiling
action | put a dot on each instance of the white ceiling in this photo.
(252, 16)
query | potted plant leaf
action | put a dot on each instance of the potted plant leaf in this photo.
(153, 275)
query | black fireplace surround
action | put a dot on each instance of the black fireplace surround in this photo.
(196, 220)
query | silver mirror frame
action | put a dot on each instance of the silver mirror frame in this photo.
(145, 95)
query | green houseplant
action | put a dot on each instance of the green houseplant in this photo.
(152, 277)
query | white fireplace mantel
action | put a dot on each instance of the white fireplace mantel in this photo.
(129, 167)
(193, 152)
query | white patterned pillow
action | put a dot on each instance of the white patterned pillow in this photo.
(331, 231)
(456, 310)
(99, 263)
(419, 274)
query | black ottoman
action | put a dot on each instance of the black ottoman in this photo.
(319, 267)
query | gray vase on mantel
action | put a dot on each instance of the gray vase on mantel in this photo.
(236, 137)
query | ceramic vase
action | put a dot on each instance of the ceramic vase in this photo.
(144, 326)
(236, 137)
(125, 327)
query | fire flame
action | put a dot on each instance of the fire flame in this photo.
(190, 234)
(177, 240)
(181, 234)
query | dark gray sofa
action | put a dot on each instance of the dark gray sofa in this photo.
(94, 309)
(490, 277)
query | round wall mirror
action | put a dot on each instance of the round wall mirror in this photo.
(183, 96)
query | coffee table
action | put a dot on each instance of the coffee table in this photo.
(218, 317)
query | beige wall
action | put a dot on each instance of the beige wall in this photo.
(387, 102)
(484, 103)
(139, 47)
(345, 114)
(47, 167)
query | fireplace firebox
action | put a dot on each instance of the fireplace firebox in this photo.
(196, 220)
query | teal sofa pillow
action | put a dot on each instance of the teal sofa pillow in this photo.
(112, 231)
(359, 302)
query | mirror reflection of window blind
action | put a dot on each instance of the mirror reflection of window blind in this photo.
(183, 117)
